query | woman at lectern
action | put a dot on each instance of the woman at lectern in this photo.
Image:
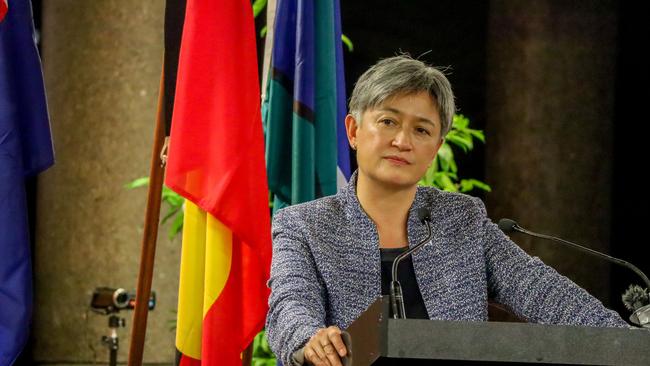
(332, 256)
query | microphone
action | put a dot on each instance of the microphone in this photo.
(642, 314)
(396, 296)
(637, 300)
(508, 226)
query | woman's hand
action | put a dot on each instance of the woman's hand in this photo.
(325, 347)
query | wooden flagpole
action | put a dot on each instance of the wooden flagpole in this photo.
(149, 237)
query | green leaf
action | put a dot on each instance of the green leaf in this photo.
(463, 141)
(446, 183)
(446, 160)
(174, 200)
(477, 134)
(262, 354)
(172, 211)
(467, 185)
(258, 6)
(427, 180)
(176, 227)
(263, 31)
(140, 182)
(443, 173)
(460, 121)
(347, 42)
(445, 153)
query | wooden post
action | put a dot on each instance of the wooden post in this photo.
(247, 356)
(149, 237)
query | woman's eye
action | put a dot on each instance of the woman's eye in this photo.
(387, 122)
(423, 131)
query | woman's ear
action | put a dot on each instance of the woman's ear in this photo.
(351, 126)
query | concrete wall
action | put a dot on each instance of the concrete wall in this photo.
(102, 65)
(550, 109)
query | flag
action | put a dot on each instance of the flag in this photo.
(25, 150)
(307, 151)
(216, 161)
(3, 9)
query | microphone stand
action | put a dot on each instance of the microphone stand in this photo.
(640, 316)
(396, 295)
(620, 262)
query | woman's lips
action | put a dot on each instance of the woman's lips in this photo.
(397, 160)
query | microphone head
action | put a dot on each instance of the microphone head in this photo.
(635, 297)
(424, 215)
(507, 225)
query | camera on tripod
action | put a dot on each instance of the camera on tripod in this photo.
(110, 300)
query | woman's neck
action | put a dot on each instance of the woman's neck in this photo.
(388, 208)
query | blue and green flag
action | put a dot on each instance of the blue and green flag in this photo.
(307, 153)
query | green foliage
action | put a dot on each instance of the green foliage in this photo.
(174, 202)
(443, 172)
(171, 322)
(347, 42)
(262, 355)
(258, 6)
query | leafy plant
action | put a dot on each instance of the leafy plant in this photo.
(174, 202)
(258, 6)
(262, 354)
(443, 172)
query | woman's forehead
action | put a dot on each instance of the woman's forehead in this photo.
(421, 104)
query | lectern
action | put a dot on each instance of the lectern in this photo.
(374, 338)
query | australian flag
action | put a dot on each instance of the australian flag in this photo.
(25, 150)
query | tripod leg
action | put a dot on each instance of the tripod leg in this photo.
(113, 357)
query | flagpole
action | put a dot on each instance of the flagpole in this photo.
(149, 237)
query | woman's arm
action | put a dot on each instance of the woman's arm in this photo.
(297, 301)
(535, 291)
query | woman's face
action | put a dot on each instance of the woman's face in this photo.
(397, 141)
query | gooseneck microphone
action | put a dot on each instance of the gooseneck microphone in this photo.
(396, 296)
(508, 226)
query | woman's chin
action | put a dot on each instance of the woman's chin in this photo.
(399, 179)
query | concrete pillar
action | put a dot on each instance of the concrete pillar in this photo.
(550, 106)
(102, 65)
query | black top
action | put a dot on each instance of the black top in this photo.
(413, 303)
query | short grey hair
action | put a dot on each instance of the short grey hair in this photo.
(403, 75)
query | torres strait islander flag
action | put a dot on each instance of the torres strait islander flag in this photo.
(216, 161)
(307, 150)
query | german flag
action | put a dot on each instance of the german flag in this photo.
(216, 161)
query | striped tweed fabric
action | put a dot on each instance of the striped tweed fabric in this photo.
(326, 269)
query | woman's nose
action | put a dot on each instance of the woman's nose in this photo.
(402, 140)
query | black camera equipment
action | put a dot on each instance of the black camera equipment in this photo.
(109, 301)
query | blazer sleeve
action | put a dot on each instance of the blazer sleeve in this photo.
(533, 290)
(297, 300)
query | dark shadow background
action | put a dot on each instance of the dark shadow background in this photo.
(631, 131)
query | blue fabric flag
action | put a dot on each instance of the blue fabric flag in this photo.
(25, 150)
(307, 150)
(343, 158)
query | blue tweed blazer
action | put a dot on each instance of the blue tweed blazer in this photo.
(326, 269)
